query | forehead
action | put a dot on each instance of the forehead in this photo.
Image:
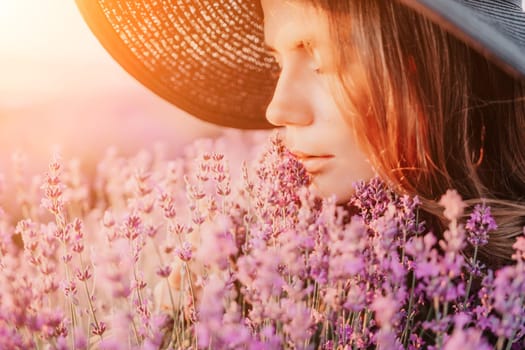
(289, 21)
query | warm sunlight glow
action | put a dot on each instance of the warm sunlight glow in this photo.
(59, 87)
(10, 16)
(47, 51)
(28, 27)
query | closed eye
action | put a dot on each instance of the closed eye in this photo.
(274, 54)
(308, 47)
(302, 45)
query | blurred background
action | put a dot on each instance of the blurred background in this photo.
(59, 89)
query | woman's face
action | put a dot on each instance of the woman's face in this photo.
(303, 102)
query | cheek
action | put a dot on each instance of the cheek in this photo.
(351, 95)
(327, 111)
(352, 161)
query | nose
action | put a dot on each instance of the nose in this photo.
(291, 103)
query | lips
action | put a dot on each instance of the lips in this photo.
(313, 163)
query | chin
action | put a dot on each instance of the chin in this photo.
(326, 187)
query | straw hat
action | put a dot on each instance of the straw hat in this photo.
(208, 58)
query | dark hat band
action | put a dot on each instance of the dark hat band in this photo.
(495, 28)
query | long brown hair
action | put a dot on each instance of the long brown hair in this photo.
(437, 115)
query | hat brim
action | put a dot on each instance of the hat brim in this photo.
(496, 29)
(232, 85)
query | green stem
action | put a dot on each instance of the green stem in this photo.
(135, 332)
(71, 306)
(408, 323)
(511, 338)
(469, 283)
(426, 319)
(174, 333)
(89, 296)
(499, 344)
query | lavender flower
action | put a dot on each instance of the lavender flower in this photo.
(453, 204)
(468, 339)
(479, 225)
(186, 253)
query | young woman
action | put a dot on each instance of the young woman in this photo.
(430, 94)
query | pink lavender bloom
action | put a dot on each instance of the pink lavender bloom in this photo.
(185, 252)
(454, 239)
(465, 338)
(425, 257)
(260, 272)
(280, 175)
(168, 206)
(81, 342)
(164, 271)
(53, 189)
(132, 227)
(297, 320)
(346, 247)
(115, 267)
(99, 329)
(453, 204)
(293, 253)
(479, 225)
(211, 308)
(502, 301)
(372, 198)
(407, 215)
(508, 301)
(159, 324)
(219, 244)
(357, 297)
(177, 254)
(271, 339)
(387, 339)
(385, 308)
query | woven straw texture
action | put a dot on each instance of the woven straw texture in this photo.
(205, 57)
(208, 57)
